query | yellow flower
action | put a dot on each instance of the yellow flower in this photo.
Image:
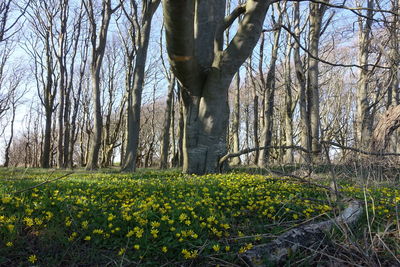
(130, 233)
(98, 231)
(121, 251)
(182, 217)
(154, 232)
(10, 227)
(32, 258)
(85, 224)
(9, 244)
(28, 221)
(295, 216)
(164, 249)
(227, 248)
(87, 238)
(216, 248)
(155, 224)
(137, 247)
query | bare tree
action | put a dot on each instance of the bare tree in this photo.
(266, 135)
(364, 120)
(15, 97)
(98, 42)
(8, 19)
(141, 24)
(41, 17)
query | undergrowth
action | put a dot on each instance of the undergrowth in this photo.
(165, 218)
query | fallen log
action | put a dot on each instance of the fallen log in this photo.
(303, 236)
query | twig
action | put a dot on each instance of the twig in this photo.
(359, 150)
(303, 180)
(45, 182)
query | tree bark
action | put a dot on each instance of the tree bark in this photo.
(266, 134)
(135, 101)
(394, 57)
(290, 104)
(301, 83)
(194, 31)
(236, 120)
(316, 14)
(363, 121)
(98, 48)
(10, 140)
(167, 125)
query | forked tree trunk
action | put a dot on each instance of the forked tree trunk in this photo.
(98, 49)
(135, 101)
(194, 31)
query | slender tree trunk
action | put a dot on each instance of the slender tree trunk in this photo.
(236, 120)
(60, 139)
(178, 158)
(316, 14)
(363, 121)
(289, 105)
(255, 124)
(94, 149)
(98, 49)
(266, 134)
(301, 82)
(394, 57)
(134, 105)
(8, 147)
(172, 130)
(166, 126)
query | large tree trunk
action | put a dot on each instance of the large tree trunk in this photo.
(207, 71)
(206, 122)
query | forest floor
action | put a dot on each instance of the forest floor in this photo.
(165, 218)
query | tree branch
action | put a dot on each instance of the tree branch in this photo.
(218, 41)
(325, 61)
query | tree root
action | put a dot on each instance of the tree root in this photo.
(303, 236)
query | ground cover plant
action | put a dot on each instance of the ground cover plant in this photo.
(154, 218)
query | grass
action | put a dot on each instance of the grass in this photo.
(165, 218)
